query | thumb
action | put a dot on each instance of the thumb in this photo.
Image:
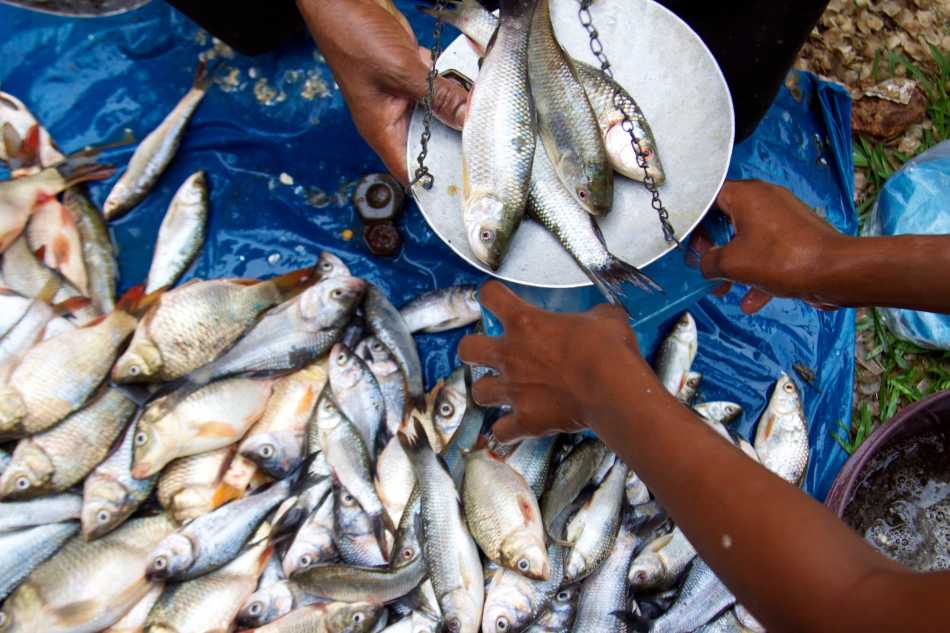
(449, 102)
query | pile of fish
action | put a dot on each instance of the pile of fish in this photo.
(543, 135)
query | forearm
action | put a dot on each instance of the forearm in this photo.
(784, 556)
(908, 271)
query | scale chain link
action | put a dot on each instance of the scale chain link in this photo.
(649, 182)
(422, 175)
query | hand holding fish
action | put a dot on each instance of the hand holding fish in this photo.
(381, 71)
(552, 366)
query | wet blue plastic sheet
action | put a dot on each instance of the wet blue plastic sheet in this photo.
(88, 80)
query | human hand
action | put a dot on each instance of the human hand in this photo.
(779, 247)
(381, 71)
(559, 372)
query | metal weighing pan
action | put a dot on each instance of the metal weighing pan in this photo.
(665, 66)
(79, 8)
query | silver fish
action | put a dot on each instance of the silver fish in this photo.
(552, 205)
(687, 394)
(334, 617)
(314, 543)
(386, 324)
(702, 597)
(312, 487)
(676, 354)
(594, 528)
(155, 151)
(377, 585)
(571, 476)
(719, 411)
(452, 557)
(134, 619)
(213, 540)
(636, 491)
(605, 591)
(272, 602)
(498, 139)
(559, 616)
(450, 404)
(357, 394)
(357, 540)
(394, 479)
(98, 252)
(23, 334)
(532, 460)
(661, 562)
(391, 381)
(568, 128)
(443, 309)
(726, 623)
(181, 234)
(781, 437)
(110, 493)
(17, 515)
(15, 113)
(21, 551)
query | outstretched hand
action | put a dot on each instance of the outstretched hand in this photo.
(382, 72)
(778, 246)
(556, 370)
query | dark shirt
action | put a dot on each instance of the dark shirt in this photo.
(754, 41)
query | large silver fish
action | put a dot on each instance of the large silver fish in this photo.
(357, 394)
(661, 562)
(571, 476)
(781, 438)
(17, 515)
(155, 151)
(21, 551)
(335, 617)
(181, 234)
(378, 585)
(443, 309)
(567, 125)
(594, 528)
(498, 139)
(605, 591)
(386, 324)
(702, 597)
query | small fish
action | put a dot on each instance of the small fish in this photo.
(276, 442)
(211, 541)
(357, 394)
(661, 562)
(451, 555)
(377, 585)
(335, 617)
(358, 541)
(503, 516)
(57, 459)
(594, 528)
(211, 602)
(181, 234)
(211, 417)
(687, 394)
(566, 123)
(19, 197)
(98, 253)
(636, 491)
(676, 354)
(387, 325)
(559, 616)
(110, 493)
(551, 204)
(267, 604)
(44, 152)
(394, 479)
(532, 460)
(194, 323)
(314, 543)
(329, 266)
(87, 586)
(53, 232)
(134, 619)
(24, 333)
(17, 515)
(443, 309)
(719, 411)
(498, 139)
(188, 487)
(57, 376)
(22, 551)
(572, 475)
(781, 438)
(605, 591)
(155, 151)
(450, 405)
(391, 381)
(701, 598)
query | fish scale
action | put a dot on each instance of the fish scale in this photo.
(702, 597)
(21, 551)
(605, 591)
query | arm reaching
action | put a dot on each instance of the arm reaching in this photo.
(787, 558)
(783, 248)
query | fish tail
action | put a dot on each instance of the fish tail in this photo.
(81, 167)
(417, 444)
(202, 77)
(609, 279)
(635, 621)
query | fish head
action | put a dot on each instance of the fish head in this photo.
(595, 188)
(104, 507)
(507, 604)
(358, 617)
(330, 302)
(523, 551)
(647, 571)
(468, 299)
(685, 332)
(374, 352)
(448, 409)
(329, 265)
(114, 201)
(266, 605)
(316, 548)
(140, 363)
(624, 156)
(488, 233)
(346, 368)
(29, 474)
(150, 450)
(275, 453)
(460, 614)
(171, 557)
(785, 399)
(328, 414)
(12, 411)
(720, 411)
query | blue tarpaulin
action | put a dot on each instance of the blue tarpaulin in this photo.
(278, 119)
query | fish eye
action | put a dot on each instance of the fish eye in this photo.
(159, 563)
(135, 370)
(523, 564)
(305, 560)
(102, 516)
(341, 359)
(407, 553)
(326, 266)
(501, 624)
(255, 608)
(486, 235)
(454, 625)
(141, 438)
(582, 194)
(267, 451)
(336, 293)
(357, 618)
(377, 346)
(789, 388)
(22, 483)
(563, 596)
(446, 409)
(347, 498)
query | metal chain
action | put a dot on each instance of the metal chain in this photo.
(649, 182)
(423, 175)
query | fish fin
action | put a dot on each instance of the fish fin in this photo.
(28, 153)
(202, 77)
(380, 523)
(216, 429)
(636, 622)
(609, 279)
(71, 305)
(223, 494)
(418, 443)
(96, 321)
(80, 168)
(11, 140)
(136, 302)
(296, 281)
(49, 290)
(40, 253)
(75, 614)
